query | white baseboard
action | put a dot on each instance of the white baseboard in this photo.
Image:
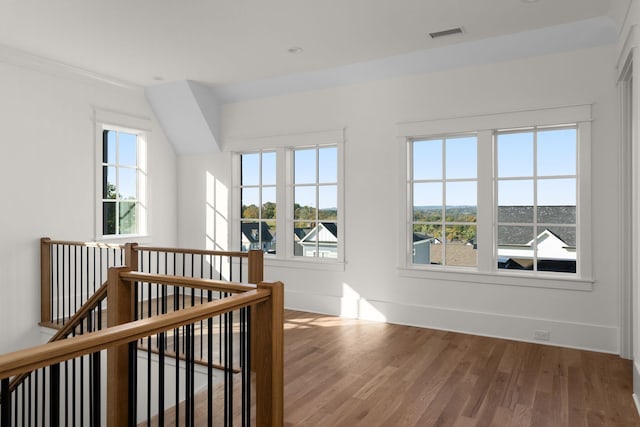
(564, 334)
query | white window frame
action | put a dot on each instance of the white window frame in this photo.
(444, 181)
(260, 186)
(485, 126)
(283, 146)
(139, 126)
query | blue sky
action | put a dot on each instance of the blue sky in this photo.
(556, 157)
(304, 173)
(124, 152)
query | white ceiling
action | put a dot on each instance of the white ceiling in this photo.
(233, 42)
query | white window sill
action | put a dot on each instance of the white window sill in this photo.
(127, 238)
(305, 264)
(537, 280)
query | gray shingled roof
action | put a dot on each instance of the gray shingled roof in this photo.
(547, 215)
(248, 227)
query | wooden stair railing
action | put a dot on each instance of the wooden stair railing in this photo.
(71, 325)
(85, 263)
(267, 300)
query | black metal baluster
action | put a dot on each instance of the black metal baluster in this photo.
(54, 395)
(58, 286)
(209, 367)
(96, 402)
(44, 396)
(68, 283)
(35, 399)
(161, 363)
(82, 381)
(5, 404)
(201, 301)
(190, 375)
(73, 391)
(22, 403)
(66, 392)
(243, 374)
(220, 321)
(247, 366)
(30, 400)
(133, 384)
(51, 284)
(176, 347)
(75, 280)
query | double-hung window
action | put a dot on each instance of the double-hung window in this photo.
(443, 186)
(258, 201)
(315, 202)
(498, 195)
(300, 175)
(536, 198)
(121, 176)
(121, 179)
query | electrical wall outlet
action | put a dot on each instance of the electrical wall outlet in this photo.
(540, 334)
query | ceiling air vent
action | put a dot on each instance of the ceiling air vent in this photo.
(444, 33)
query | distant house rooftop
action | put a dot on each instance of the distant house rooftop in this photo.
(250, 231)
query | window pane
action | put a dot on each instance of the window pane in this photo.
(462, 204)
(515, 247)
(304, 203)
(250, 167)
(127, 217)
(328, 159)
(427, 159)
(268, 203)
(321, 241)
(328, 198)
(557, 249)
(128, 184)
(461, 157)
(304, 243)
(250, 202)
(249, 235)
(515, 201)
(557, 192)
(108, 218)
(305, 166)
(515, 154)
(557, 152)
(109, 146)
(109, 182)
(461, 249)
(269, 168)
(427, 201)
(426, 244)
(267, 236)
(557, 214)
(128, 149)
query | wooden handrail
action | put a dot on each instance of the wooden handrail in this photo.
(85, 244)
(238, 254)
(59, 351)
(71, 324)
(191, 282)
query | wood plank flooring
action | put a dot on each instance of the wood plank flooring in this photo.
(344, 372)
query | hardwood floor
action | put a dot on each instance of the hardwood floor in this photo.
(344, 372)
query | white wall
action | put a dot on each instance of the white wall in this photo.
(628, 49)
(369, 111)
(47, 170)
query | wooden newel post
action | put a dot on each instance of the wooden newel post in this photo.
(45, 280)
(131, 256)
(256, 266)
(120, 305)
(269, 352)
